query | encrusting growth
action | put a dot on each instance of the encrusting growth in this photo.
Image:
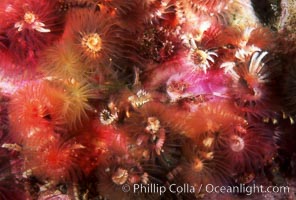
(99, 96)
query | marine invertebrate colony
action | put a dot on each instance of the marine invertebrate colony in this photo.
(29, 27)
(125, 99)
